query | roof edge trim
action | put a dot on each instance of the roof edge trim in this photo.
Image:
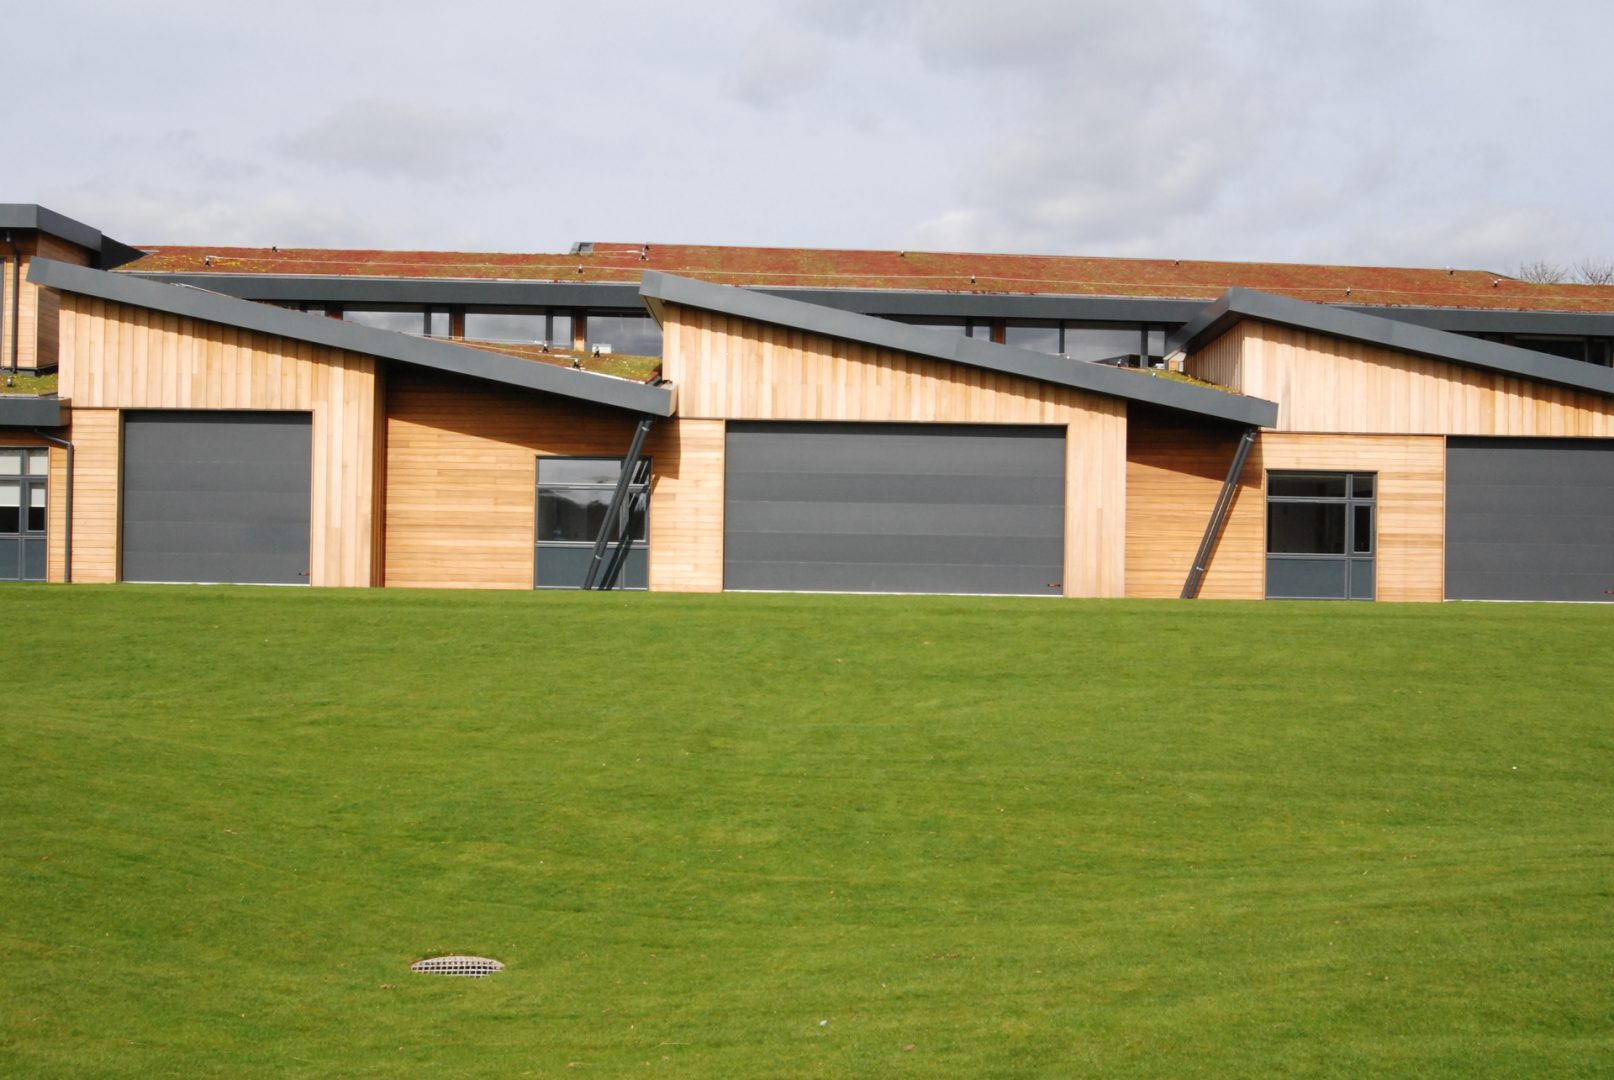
(1237, 305)
(423, 352)
(659, 289)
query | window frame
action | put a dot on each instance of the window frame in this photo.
(1356, 564)
(638, 489)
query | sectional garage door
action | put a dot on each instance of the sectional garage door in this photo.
(906, 508)
(1529, 519)
(216, 497)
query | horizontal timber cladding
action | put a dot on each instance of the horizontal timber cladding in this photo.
(115, 356)
(1175, 472)
(1530, 519)
(461, 461)
(1174, 475)
(1410, 513)
(1327, 384)
(937, 508)
(216, 496)
(736, 369)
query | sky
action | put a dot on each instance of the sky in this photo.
(1432, 133)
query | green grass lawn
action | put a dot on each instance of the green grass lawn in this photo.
(802, 836)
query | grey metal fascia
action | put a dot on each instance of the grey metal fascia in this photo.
(925, 304)
(1498, 320)
(381, 290)
(1236, 305)
(43, 219)
(319, 330)
(659, 289)
(26, 410)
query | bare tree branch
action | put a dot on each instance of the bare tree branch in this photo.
(1541, 272)
(1595, 271)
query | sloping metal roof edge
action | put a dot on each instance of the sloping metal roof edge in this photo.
(658, 289)
(430, 353)
(1237, 305)
(109, 252)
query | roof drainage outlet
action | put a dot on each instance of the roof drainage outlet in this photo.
(474, 967)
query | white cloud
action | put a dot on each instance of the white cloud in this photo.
(394, 139)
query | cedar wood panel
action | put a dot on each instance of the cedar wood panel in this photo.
(461, 466)
(739, 369)
(1327, 384)
(1175, 473)
(119, 357)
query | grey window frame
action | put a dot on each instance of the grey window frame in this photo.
(1358, 569)
(639, 490)
(27, 483)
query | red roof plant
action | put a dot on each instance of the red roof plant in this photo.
(910, 270)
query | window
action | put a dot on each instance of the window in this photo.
(23, 479)
(980, 329)
(624, 332)
(400, 318)
(1321, 535)
(574, 494)
(519, 326)
(1086, 341)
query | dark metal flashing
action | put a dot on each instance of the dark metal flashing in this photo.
(1218, 518)
(109, 252)
(27, 410)
(423, 352)
(911, 303)
(287, 288)
(1237, 305)
(1499, 320)
(660, 289)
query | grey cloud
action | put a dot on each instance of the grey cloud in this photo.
(393, 139)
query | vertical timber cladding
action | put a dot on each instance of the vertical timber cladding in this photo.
(902, 508)
(1529, 519)
(212, 496)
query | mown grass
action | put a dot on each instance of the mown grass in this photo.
(803, 836)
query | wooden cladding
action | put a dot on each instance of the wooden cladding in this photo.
(736, 369)
(37, 345)
(1096, 500)
(732, 368)
(96, 436)
(120, 357)
(460, 500)
(1411, 518)
(1327, 384)
(1175, 473)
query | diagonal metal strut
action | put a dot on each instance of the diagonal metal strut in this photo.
(1213, 528)
(613, 525)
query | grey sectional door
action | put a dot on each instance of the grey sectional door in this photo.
(904, 508)
(216, 497)
(1529, 519)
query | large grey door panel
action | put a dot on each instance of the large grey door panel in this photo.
(216, 496)
(894, 508)
(1529, 519)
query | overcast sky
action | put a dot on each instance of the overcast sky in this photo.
(1420, 132)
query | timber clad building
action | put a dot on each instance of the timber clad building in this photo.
(699, 419)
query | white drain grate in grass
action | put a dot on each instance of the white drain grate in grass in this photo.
(474, 967)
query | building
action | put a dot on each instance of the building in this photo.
(699, 419)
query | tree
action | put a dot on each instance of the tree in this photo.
(1595, 271)
(1541, 272)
